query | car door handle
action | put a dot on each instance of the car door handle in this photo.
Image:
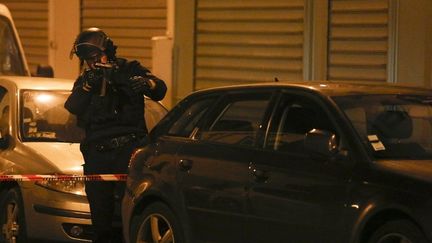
(260, 175)
(185, 164)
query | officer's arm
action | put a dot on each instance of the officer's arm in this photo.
(157, 88)
(79, 99)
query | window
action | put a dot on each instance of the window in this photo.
(154, 112)
(5, 111)
(10, 57)
(238, 122)
(296, 117)
(391, 126)
(184, 126)
(44, 118)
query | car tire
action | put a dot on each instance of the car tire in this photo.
(12, 223)
(157, 223)
(398, 231)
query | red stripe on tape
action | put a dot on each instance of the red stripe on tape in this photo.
(98, 177)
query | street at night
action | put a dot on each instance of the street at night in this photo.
(203, 121)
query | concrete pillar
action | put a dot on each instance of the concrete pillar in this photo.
(64, 26)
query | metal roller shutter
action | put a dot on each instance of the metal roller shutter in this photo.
(31, 20)
(130, 24)
(358, 40)
(250, 41)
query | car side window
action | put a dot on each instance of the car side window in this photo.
(154, 112)
(5, 111)
(185, 124)
(238, 121)
(10, 59)
(295, 117)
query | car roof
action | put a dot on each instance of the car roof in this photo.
(38, 83)
(330, 88)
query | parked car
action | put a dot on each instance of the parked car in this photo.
(39, 136)
(286, 162)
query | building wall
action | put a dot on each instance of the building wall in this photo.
(47, 34)
(183, 48)
(131, 24)
(414, 42)
(198, 23)
(376, 41)
(359, 40)
(61, 35)
(255, 41)
(238, 42)
(428, 43)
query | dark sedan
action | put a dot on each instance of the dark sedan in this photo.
(286, 162)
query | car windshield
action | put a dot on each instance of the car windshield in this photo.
(11, 62)
(43, 117)
(392, 126)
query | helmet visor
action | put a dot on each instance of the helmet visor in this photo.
(87, 51)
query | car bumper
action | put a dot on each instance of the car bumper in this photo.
(56, 216)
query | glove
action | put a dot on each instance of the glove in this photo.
(92, 79)
(141, 84)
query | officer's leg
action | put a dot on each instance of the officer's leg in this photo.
(100, 194)
(120, 166)
(101, 200)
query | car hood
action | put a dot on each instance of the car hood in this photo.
(66, 157)
(419, 169)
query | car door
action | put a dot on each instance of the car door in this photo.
(215, 164)
(293, 195)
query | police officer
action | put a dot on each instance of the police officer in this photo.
(107, 99)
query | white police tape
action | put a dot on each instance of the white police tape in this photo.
(36, 177)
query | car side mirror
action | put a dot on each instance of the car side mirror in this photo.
(321, 142)
(44, 71)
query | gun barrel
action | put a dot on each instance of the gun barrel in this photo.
(103, 65)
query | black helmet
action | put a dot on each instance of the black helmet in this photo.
(93, 40)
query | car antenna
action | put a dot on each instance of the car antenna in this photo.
(276, 79)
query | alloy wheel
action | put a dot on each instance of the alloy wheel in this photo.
(394, 238)
(10, 227)
(155, 229)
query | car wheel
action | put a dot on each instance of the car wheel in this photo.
(398, 231)
(156, 224)
(12, 217)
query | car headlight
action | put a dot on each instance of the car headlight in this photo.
(66, 186)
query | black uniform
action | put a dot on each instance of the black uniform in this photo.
(113, 118)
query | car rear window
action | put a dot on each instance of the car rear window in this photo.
(392, 126)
